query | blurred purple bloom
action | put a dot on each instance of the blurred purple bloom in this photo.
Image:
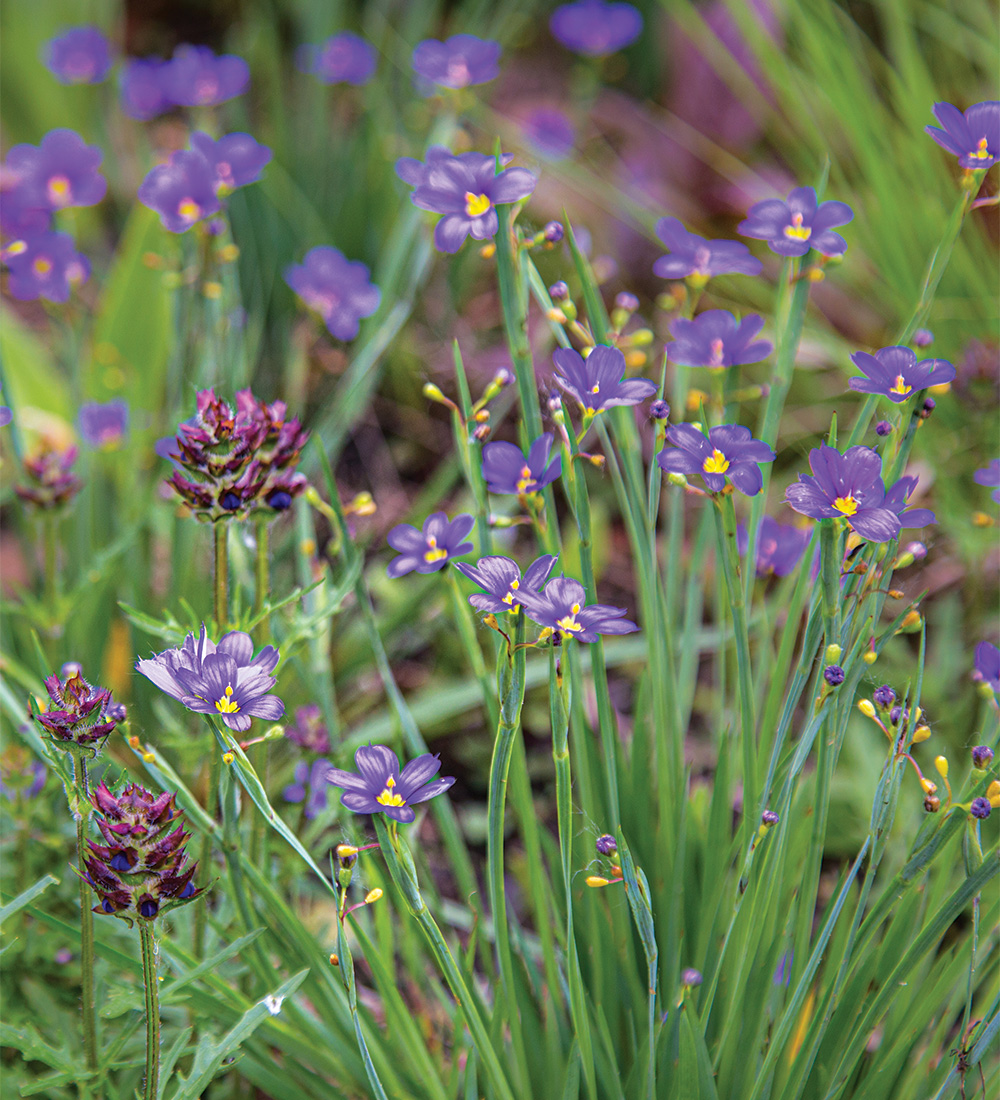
(598, 382)
(182, 191)
(62, 171)
(336, 288)
(104, 426)
(466, 189)
(794, 226)
(974, 137)
(461, 61)
(780, 546)
(729, 451)
(989, 475)
(308, 730)
(549, 132)
(23, 208)
(6, 416)
(26, 780)
(143, 90)
(716, 339)
(595, 28)
(895, 501)
(895, 373)
(922, 338)
(981, 808)
(987, 665)
(501, 580)
(80, 55)
(343, 58)
(310, 786)
(44, 265)
(380, 787)
(507, 469)
(51, 481)
(432, 548)
(690, 255)
(846, 486)
(561, 607)
(196, 77)
(235, 160)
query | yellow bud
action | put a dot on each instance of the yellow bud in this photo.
(488, 251)
(941, 763)
(816, 275)
(635, 358)
(482, 416)
(917, 714)
(308, 547)
(677, 479)
(557, 315)
(993, 793)
(362, 505)
(274, 733)
(981, 519)
(641, 338)
(596, 880)
(695, 398)
(212, 291)
(928, 786)
(867, 708)
(921, 733)
(911, 622)
(833, 654)
(344, 851)
(134, 741)
(228, 253)
(335, 960)
(228, 758)
(596, 460)
(854, 540)
(148, 757)
(372, 896)
(896, 593)
(870, 657)
(434, 393)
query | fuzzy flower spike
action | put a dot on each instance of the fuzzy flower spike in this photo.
(974, 137)
(379, 787)
(895, 373)
(791, 227)
(728, 451)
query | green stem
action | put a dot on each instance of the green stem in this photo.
(261, 580)
(50, 547)
(514, 302)
(467, 631)
(86, 915)
(220, 533)
(152, 1009)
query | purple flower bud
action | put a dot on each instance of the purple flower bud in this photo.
(884, 696)
(928, 407)
(559, 292)
(626, 301)
(883, 427)
(922, 338)
(898, 715)
(659, 410)
(691, 977)
(980, 808)
(834, 675)
(982, 757)
(769, 818)
(606, 844)
(917, 549)
(553, 232)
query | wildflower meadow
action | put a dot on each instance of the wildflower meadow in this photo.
(499, 564)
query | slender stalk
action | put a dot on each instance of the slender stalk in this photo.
(220, 533)
(261, 632)
(86, 915)
(50, 549)
(152, 1009)
(465, 621)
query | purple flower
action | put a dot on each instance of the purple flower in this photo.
(834, 675)
(716, 339)
(794, 226)
(507, 469)
(21, 777)
(182, 191)
(336, 288)
(895, 373)
(846, 486)
(606, 844)
(989, 475)
(235, 160)
(895, 501)
(308, 730)
(144, 95)
(52, 482)
(310, 786)
(729, 451)
(104, 426)
(594, 28)
(380, 787)
(974, 137)
(561, 608)
(80, 55)
(224, 679)
(62, 171)
(195, 77)
(598, 382)
(431, 549)
(693, 255)
(24, 209)
(549, 132)
(459, 62)
(44, 265)
(343, 58)
(502, 582)
(780, 546)
(981, 808)
(987, 666)
(467, 190)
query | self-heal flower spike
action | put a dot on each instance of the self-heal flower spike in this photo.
(595, 28)
(507, 469)
(459, 62)
(502, 583)
(598, 382)
(989, 475)
(846, 486)
(691, 255)
(78, 712)
(895, 373)
(338, 289)
(44, 265)
(562, 608)
(432, 548)
(62, 171)
(727, 452)
(380, 787)
(716, 339)
(196, 77)
(791, 227)
(51, 481)
(80, 55)
(974, 137)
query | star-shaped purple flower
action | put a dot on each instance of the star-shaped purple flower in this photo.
(143, 91)
(987, 666)
(507, 469)
(182, 191)
(896, 498)
(793, 226)
(780, 546)
(501, 580)
(728, 451)
(598, 382)
(989, 475)
(44, 265)
(895, 373)
(974, 137)
(196, 77)
(343, 58)
(234, 160)
(381, 788)
(432, 548)
(846, 486)
(716, 339)
(466, 189)
(691, 255)
(104, 425)
(561, 608)
(80, 55)
(310, 786)
(595, 28)
(338, 289)
(62, 171)
(459, 62)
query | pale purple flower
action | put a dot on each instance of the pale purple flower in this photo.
(310, 786)
(895, 373)
(716, 339)
(44, 265)
(235, 160)
(549, 132)
(507, 469)
(62, 171)
(989, 475)
(104, 426)
(987, 665)
(196, 77)
(459, 62)
(182, 191)
(791, 227)
(343, 58)
(691, 255)
(561, 608)
(598, 382)
(80, 55)
(780, 546)
(728, 451)
(896, 498)
(336, 288)
(595, 28)
(974, 137)
(501, 581)
(143, 90)
(380, 787)
(308, 730)
(433, 547)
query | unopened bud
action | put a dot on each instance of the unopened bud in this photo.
(982, 757)
(372, 896)
(883, 428)
(434, 393)
(869, 657)
(921, 733)
(134, 741)
(867, 707)
(596, 460)
(691, 977)
(659, 410)
(335, 959)
(362, 505)
(606, 844)
(482, 432)
(627, 302)
(212, 291)
(922, 338)
(557, 315)
(816, 275)
(228, 758)
(635, 358)
(928, 785)
(833, 654)
(981, 519)
(553, 232)
(482, 416)
(981, 808)
(595, 880)
(941, 763)
(932, 803)
(677, 479)
(488, 251)
(558, 291)
(911, 623)
(148, 757)
(993, 793)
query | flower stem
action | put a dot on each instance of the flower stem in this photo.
(86, 915)
(261, 632)
(50, 549)
(152, 1009)
(220, 532)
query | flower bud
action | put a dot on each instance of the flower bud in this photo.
(606, 844)
(834, 675)
(928, 785)
(596, 880)
(981, 808)
(690, 978)
(993, 793)
(659, 410)
(372, 896)
(558, 291)
(932, 803)
(553, 232)
(941, 763)
(627, 302)
(869, 657)
(866, 707)
(769, 818)
(884, 696)
(982, 757)
(921, 733)
(883, 428)
(833, 654)
(922, 338)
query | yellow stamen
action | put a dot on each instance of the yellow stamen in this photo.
(568, 624)
(227, 704)
(525, 479)
(596, 388)
(846, 505)
(900, 386)
(189, 210)
(434, 552)
(982, 151)
(716, 463)
(41, 266)
(476, 204)
(797, 231)
(389, 797)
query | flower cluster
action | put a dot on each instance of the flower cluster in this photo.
(459, 62)
(791, 227)
(595, 28)
(338, 289)
(598, 382)
(343, 58)
(194, 77)
(79, 713)
(716, 339)
(693, 257)
(729, 451)
(431, 548)
(80, 55)
(52, 482)
(380, 787)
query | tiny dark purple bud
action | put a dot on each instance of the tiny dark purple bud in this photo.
(980, 808)
(834, 675)
(148, 907)
(659, 410)
(229, 500)
(918, 550)
(120, 862)
(884, 696)
(923, 338)
(279, 500)
(769, 818)
(691, 977)
(929, 406)
(554, 232)
(883, 427)
(897, 714)
(626, 301)
(606, 844)
(982, 757)
(559, 291)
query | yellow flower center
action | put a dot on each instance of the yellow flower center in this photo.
(59, 190)
(509, 598)
(900, 387)
(189, 210)
(476, 204)
(434, 552)
(41, 266)
(797, 231)
(227, 704)
(568, 624)
(388, 797)
(596, 389)
(982, 151)
(716, 463)
(525, 479)
(847, 505)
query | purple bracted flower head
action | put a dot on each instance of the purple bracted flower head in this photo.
(502, 583)
(561, 609)
(791, 227)
(195, 77)
(78, 713)
(989, 475)
(62, 171)
(549, 132)
(80, 55)
(225, 680)
(310, 786)
(44, 265)
(595, 28)
(466, 189)
(780, 546)
(987, 666)
(846, 486)
(234, 160)
(104, 426)
(694, 256)
(143, 91)
(507, 469)
(380, 787)
(896, 498)
(182, 191)
(308, 730)
(716, 339)
(343, 58)
(895, 373)
(432, 548)
(51, 481)
(598, 382)
(974, 137)
(338, 289)
(459, 62)
(728, 451)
